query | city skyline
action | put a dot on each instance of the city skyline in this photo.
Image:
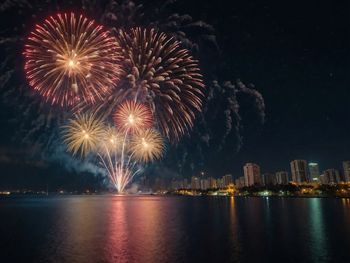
(344, 167)
(301, 172)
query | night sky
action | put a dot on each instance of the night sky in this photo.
(297, 57)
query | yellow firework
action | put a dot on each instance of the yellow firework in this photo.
(147, 145)
(70, 59)
(112, 141)
(83, 134)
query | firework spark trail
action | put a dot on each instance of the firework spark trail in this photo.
(162, 74)
(87, 134)
(71, 59)
(119, 175)
(120, 171)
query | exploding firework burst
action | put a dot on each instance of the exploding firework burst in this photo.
(147, 146)
(133, 116)
(87, 133)
(161, 73)
(83, 134)
(112, 142)
(71, 59)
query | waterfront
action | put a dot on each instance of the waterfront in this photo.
(174, 229)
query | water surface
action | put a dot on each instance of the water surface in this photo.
(174, 229)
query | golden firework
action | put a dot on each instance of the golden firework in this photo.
(84, 134)
(112, 141)
(164, 75)
(132, 116)
(70, 59)
(147, 145)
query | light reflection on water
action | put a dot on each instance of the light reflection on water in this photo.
(174, 229)
(317, 230)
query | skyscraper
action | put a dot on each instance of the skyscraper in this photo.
(195, 183)
(314, 172)
(228, 179)
(221, 182)
(268, 179)
(331, 176)
(346, 167)
(239, 182)
(323, 179)
(251, 174)
(299, 171)
(204, 184)
(282, 177)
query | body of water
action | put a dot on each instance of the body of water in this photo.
(174, 229)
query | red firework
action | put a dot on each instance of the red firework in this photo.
(70, 59)
(132, 116)
(159, 72)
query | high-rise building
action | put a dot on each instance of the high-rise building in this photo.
(323, 179)
(251, 174)
(239, 183)
(195, 183)
(268, 179)
(242, 181)
(299, 171)
(212, 183)
(220, 183)
(263, 180)
(202, 183)
(228, 179)
(314, 172)
(282, 178)
(346, 168)
(331, 176)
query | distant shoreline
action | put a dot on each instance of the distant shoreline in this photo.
(50, 195)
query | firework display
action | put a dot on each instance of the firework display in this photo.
(160, 88)
(132, 116)
(118, 150)
(69, 59)
(154, 82)
(164, 75)
(83, 134)
(112, 141)
(147, 146)
(141, 54)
